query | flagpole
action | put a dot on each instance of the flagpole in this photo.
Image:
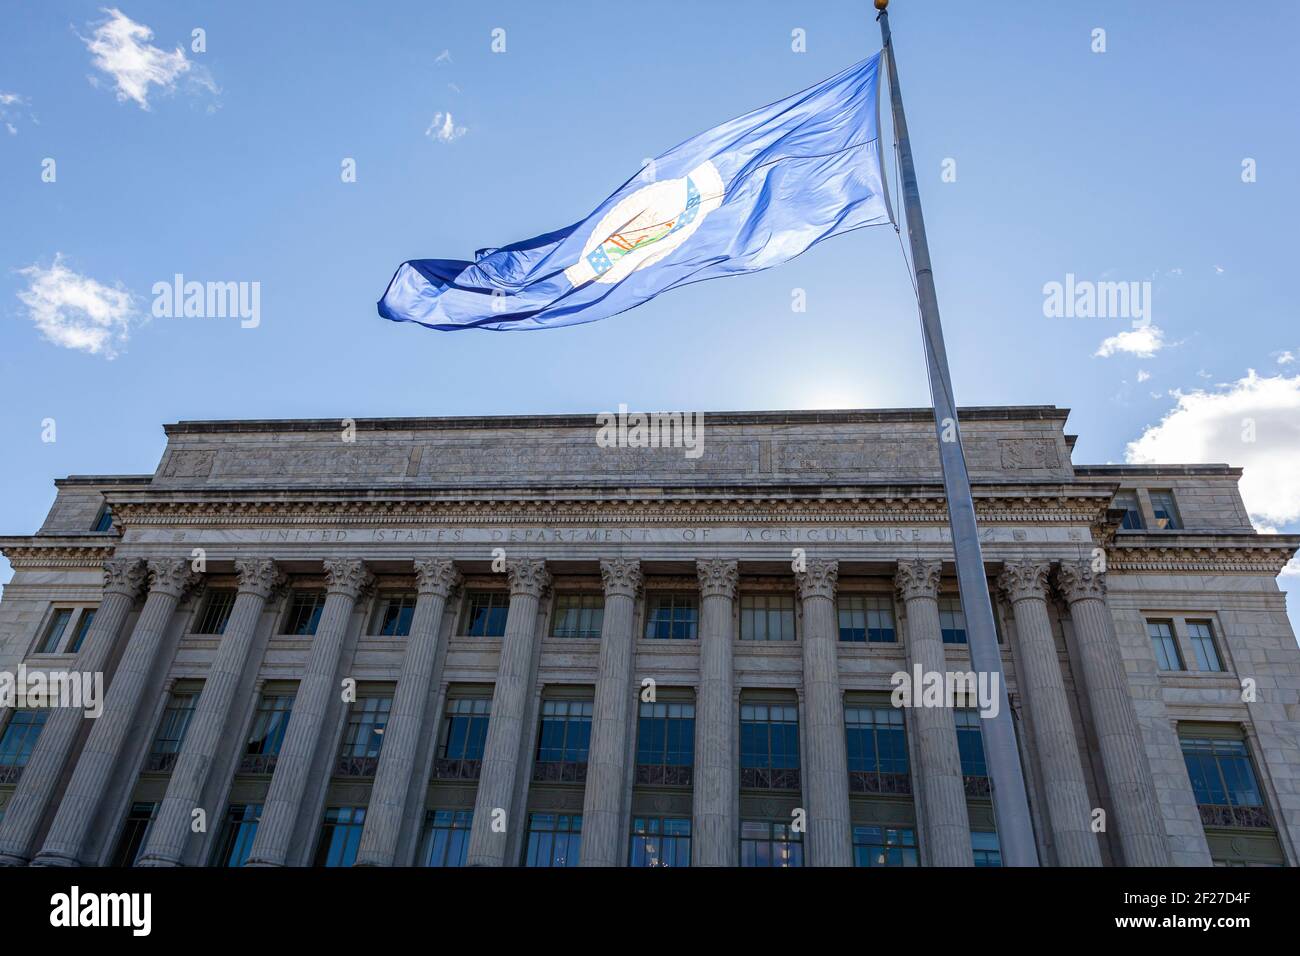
(1010, 806)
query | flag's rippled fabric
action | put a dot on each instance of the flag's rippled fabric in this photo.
(746, 195)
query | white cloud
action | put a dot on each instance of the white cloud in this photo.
(121, 48)
(1144, 342)
(1143, 375)
(9, 99)
(443, 57)
(444, 129)
(1253, 422)
(77, 312)
(1285, 358)
(11, 110)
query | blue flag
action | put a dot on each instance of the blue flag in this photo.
(744, 196)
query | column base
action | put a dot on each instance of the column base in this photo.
(264, 863)
(55, 860)
(157, 860)
(10, 859)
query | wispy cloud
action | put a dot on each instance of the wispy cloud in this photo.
(1253, 422)
(1143, 375)
(1285, 358)
(444, 129)
(11, 109)
(1143, 342)
(120, 47)
(77, 312)
(443, 57)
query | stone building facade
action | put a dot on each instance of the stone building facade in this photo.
(494, 641)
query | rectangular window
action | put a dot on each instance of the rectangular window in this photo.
(563, 741)
(578, 616)
(485, 613)
(304, 613)
(1203, 643)
(877, 750)
(363, 736)
(53, 638)
(340, 835)
(131, 842)
(1223, 779)
(104, 522)
(238, 830)
(884, 846)
(769, 746)
(766, 617)
(665, 743)
(267, 733)
(1164, 645)
(216, 612)
(985, 847)
(763, 843)
(393, 615)
(1166, 512)
(83, 628)
(952, 621)
(671, 617)
(465, 723)
(1128, 500)
(660, 841)
(970, 746)
(446, 837)
(866, 618)
(171, 731)
(19, 739)
(553, 839)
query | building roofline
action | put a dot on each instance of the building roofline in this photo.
(791, 417)
(1158, 470)
(101, 480)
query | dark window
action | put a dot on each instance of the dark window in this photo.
(952, 622)
(394, 614)
(1128, 500)
(672, 617)
(1164, 645)
(984, 845)
(661, 841)
(766, 617)
(216, 612)
(83, 628)
(563, 741)
(763, 843)
(363, 736)
(1207, 652)
(465, 726)
(877, 750)
(1221, 772)
(136, 828)
(578, 615)
(20, 736)
(446, 837)
(970, 744)
(238, 830)
(665, 743)
(553, 839)
(304, 612)
(340, 835)
(884, 846)
(1166, 512)
(171, 731)
(485, 613)
(105, 520)
(54, 631)
(866, 618)
(269, 725)
(769, 746)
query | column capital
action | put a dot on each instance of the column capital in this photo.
(621, 576)
(718, 577)
(819, 580)
(172, 576)
(436, 576)
(258, 576)
(528, 576)
(1077, 581)
(1024, 580)
(918, 578)
(347, 577)
(124, 576)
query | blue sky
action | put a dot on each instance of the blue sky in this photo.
(225, 165)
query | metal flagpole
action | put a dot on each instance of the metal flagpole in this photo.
(1010, 807)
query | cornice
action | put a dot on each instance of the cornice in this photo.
(1226, 558)
(62, 555)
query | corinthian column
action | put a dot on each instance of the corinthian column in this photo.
(503, 751)
(715, 834)
(942, 793)
(65, 843)
(826, 763)
(213, 716)
(123, 579)
(603, 824)
(1039, 671)
(1128, 774)
(345, 580)
(436, 580)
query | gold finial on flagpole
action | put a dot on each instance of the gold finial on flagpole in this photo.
(881, 4)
